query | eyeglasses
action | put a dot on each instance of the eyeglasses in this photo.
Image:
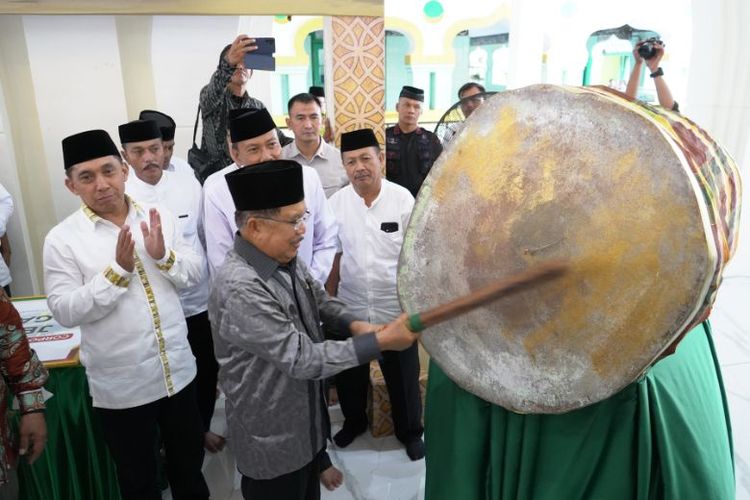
(296, 223)
(473, 100)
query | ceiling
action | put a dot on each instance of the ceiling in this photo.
(202, 7)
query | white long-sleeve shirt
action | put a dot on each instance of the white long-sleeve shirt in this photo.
(6, 210)
(180, 166)
(182, 195)
(318, 248)
(133, 332)
(370, 239)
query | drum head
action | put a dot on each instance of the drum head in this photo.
(547, 173)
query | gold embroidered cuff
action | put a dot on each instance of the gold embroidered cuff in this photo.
(169, 263)
(115, 278)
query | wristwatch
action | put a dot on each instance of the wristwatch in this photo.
(658, 72)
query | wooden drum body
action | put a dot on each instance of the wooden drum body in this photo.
(641, 202)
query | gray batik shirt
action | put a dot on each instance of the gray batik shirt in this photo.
(272, 359)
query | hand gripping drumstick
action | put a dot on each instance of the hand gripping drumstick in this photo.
(500, 288)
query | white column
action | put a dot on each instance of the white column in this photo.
(526, 42)
(719, 81)
(718, 97)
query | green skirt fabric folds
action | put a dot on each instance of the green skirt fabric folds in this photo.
(75, 464)
(668, 435)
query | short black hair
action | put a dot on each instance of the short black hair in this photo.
(469, 85)
(224, 52)
(303, 98)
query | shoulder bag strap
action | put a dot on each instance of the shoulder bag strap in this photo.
(195, 127)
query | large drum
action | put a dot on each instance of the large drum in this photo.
(640, 201)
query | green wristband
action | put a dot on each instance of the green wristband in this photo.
(414, 323)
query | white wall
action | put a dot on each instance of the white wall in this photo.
(75, 65)
(719, 93)
(78, 83)
(24, 276)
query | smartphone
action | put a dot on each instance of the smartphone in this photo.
(266, 46)
(262, 58)
(260, 62)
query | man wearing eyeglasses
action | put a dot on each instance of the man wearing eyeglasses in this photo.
(267, 309)
(253, 140)
(470, 101)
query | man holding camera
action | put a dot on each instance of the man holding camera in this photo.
(651, 52)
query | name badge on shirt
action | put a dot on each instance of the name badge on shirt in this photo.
(389, 227)
(183, 216)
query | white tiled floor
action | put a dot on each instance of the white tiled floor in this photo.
(374, 469)
(731, 325)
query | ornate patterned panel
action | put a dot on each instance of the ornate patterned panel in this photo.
(359, 74)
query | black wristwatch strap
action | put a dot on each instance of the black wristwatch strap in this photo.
(658, 72)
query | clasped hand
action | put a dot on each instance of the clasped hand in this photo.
(153, 240)
(394, 336)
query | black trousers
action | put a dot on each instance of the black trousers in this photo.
(401, 373)
(131, 435)
(302, 484)
(202, 345)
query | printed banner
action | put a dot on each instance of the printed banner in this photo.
(55, 344)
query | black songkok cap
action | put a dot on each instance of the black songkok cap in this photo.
(317, 91)
(234, 113)
(269, 184)
(358, 139)
(165, 122)
(412, 93)
(86, 146)
(251, 124)
(138, 130)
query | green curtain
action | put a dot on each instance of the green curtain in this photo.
(75, 464)
(667, 435)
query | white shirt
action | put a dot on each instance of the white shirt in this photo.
(182, 195)
(369, 259)
(135, 350)
(318, 248)
(180, 166)
(326, 161)
(6, 210)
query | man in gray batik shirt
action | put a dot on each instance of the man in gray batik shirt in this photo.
(266, 310)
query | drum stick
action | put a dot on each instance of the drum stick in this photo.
(500, 288)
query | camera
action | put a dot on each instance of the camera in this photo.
(647, 49)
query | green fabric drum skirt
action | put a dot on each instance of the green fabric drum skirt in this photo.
(665, 436)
